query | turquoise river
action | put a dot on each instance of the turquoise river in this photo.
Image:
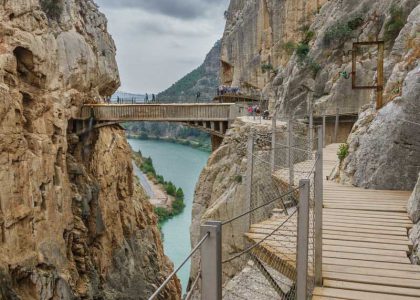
(182, 165)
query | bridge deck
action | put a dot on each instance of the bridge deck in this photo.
(365, 242)
(183, 112)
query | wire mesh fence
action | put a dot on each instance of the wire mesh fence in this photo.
(278, 221)
(277, 168)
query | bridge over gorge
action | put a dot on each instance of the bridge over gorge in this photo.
(214, 118)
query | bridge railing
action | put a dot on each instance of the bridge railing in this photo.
(163, 112)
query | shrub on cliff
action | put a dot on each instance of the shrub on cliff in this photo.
(52, 8)
(342, 31)
(395, 23)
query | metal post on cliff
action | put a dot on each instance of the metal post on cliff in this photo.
(211, 261)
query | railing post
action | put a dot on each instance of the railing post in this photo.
(248, 181)
(302, 240)
(211, 261)
(337, 120)
(273, 141)
(290, 159)
(319, 194)
(311, 124)
(323, 129)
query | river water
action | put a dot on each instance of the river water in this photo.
(182, 165)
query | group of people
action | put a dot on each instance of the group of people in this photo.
(255, 110)
(227, 90)
(146, 98)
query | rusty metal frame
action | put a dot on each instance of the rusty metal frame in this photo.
(380, 70)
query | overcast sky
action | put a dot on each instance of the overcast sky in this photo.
(159, 41)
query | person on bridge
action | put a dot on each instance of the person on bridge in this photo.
(153, 98)
(250, 110)
(146, 99)
(198, 97)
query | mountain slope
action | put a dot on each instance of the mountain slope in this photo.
(204, 79)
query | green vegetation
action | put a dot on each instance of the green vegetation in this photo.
(267, 67)
(177, 134)
(313, 66)
(238, 178)
(178, 205)
(302, 51)
(52, 8)
(343, 151)
(289, 47)
(395, 23)
(342, 31)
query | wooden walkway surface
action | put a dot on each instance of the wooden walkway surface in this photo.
(365, 242)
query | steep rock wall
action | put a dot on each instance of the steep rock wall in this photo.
(255, 34)
(414, 211)
(68, 229)
(384, 144)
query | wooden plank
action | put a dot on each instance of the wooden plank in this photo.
(368, 200)
(367, 207)
(403, 238)
(357, 295)
(371, 271)
(392, 290)
(367, 238)
(349, 222)
(397, 232)
(362, 214)
(338, 211)
(354, 225)
(351, 249)
(371, 264)
(379, 245)
(380, 280)
(366, 257)
(367, 220)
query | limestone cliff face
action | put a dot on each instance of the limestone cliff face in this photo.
(414, 211)
(384, 145)
(256, 34)
(73, 223)
(283, 46)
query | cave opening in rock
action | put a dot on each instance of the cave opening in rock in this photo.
(26, 67)
(227, 72)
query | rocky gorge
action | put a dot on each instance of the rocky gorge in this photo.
(73, 222)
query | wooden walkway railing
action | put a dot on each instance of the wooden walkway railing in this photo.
(162, 112)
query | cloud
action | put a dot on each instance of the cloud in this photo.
(157, 43)
(183, 9)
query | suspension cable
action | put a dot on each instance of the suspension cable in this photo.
(179, 268)
(260, 242)
(261, 206)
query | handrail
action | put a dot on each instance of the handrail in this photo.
(190, 293)
(200, 243)
(262, 240)
(261, 206)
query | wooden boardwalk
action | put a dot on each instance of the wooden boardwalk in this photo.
(365, 242)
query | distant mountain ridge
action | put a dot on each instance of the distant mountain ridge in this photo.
(204, 79)
(127, 96)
